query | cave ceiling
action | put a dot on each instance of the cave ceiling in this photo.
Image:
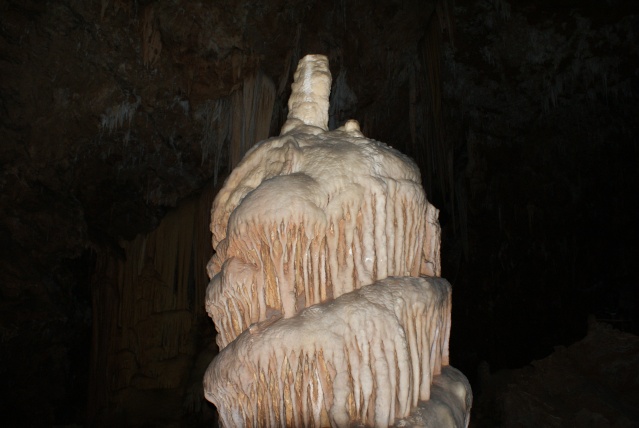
(102, 102)
(100, 127)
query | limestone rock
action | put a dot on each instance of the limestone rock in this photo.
(325, 289)
(311, 215)
(368, 356)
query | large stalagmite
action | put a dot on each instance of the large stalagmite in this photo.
(325, 286)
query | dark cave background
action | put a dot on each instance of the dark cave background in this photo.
(119, 120)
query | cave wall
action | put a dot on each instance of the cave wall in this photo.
(521, 116)
(149, 348)
(541, 106)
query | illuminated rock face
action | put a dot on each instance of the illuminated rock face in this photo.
(368, 355)
(321, 237)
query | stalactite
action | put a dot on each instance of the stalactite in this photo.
(151, 39)
(251, 111)
(342, 99)
(237, 127)
(215, 119)
(104, 295)
(431, 147)
(148, 305)
(433, 150)
(291, 60)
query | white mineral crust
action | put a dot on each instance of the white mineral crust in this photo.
(322, 317)
(313, 214)
(368, 356)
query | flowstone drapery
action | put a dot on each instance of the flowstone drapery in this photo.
(325, 287)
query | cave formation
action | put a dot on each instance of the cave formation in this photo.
(121, 120)
(325, 288)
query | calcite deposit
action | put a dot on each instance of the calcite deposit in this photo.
(370, 355)
(325, 287)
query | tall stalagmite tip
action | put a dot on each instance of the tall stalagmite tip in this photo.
(309, 101)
